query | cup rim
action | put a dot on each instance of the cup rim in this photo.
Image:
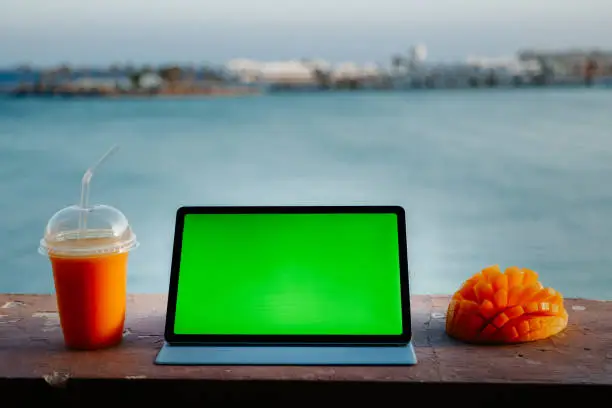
(115, 248)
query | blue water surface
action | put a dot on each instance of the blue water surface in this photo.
(514, 177)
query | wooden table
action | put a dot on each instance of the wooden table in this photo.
(35, 366)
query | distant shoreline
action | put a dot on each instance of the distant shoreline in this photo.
(69, 92)
(183, 90)
(225, 95)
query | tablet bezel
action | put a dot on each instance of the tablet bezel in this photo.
(258, 339)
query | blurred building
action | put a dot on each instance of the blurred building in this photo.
(472, 73)
(246, 70)
(300, 72)
(572, 62)
(418, 54)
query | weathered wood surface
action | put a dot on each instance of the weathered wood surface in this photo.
(31, 348)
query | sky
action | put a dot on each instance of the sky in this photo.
(101, 32)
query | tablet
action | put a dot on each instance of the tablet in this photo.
(295, 275)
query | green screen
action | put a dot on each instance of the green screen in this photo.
(289, 274)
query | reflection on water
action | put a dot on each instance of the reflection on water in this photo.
(509, 177)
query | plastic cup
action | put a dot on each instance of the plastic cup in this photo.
(88, 248)
(90, 273)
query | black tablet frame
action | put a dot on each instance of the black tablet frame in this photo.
(189, 339)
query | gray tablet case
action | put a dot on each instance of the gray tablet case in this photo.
(287, 355)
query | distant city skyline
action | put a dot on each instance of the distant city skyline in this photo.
(103, 32)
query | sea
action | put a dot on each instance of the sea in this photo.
(510, 177)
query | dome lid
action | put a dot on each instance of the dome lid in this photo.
(78, 231)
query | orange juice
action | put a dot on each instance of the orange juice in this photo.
(91, 298)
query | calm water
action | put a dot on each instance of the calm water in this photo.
(508, 177)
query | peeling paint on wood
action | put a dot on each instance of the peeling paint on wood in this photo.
(46, 315)
(51, 322)
(9, 321)
(57, 379)
(12, 304)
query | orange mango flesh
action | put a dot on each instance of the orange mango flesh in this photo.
(508, 307)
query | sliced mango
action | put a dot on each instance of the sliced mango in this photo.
(529, 277)
(514, 295)
(515, 276)
(523, 328)
(528, 293)
(488, 309)
(508, 307)
(500, 320)
(531, 307)
(544, 294)
(491, 273)
(514, 312)
(501, 298)
(484, 291)
(501, 282)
